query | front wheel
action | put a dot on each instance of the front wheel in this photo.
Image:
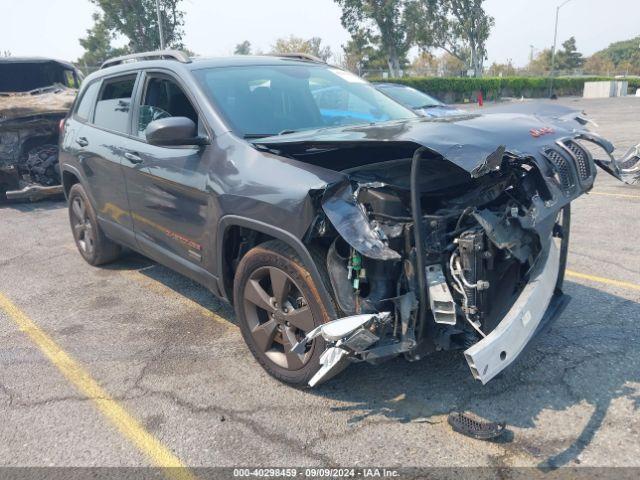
(277, 304)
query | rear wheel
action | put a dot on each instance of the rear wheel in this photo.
(277, 304)
(92, 244)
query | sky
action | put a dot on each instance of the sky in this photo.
(51, 28)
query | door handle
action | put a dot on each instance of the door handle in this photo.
(82, 141)
(132, 157)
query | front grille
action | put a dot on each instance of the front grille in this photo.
(562, 170)
(582, 159)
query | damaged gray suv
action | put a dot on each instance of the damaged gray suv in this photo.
(342, 226)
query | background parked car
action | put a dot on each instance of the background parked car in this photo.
(35, 95)
(421, 103)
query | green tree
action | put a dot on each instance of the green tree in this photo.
(624, 55)
(568, 58)
(391, 22)
(293, 44)
(471, 25)
(459, 27)
(138, 22)
(362, 53)
(97, 44)
(243, 48)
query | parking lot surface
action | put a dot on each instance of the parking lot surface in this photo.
(134, 365)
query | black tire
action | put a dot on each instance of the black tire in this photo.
(265, 323)
(565, 224)
(92, 244)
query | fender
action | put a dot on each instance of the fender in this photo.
(292, 241)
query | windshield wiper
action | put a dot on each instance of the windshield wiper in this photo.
(429, 105)
(257, 135)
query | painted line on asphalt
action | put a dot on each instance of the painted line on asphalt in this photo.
(128, 426)
(608, 281)
(619, 195)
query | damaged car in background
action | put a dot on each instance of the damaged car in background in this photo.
(342, 226)
(35, 95)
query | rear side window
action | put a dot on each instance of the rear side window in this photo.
(88, 99)
(114, 104)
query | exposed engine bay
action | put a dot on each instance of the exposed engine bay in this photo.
(432, 251)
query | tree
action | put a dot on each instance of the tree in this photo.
(293, 44)
(138, 22)
(598, 64)
(390, 21)
(425, 64)
(472, 26)
(502, 69)
(243, 48)
(568, 58)
(97, 44)
(624, 55)
(541, 64)
(459, 27)
(362, 53)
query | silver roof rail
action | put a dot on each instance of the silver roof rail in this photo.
(178, 55)
(299, 56)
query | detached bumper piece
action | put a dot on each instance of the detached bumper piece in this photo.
(35, 192)
(499, 349)
(349, 336)
(474, 427)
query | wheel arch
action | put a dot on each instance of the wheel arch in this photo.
(233, 223)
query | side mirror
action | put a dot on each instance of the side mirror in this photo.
(173, 131)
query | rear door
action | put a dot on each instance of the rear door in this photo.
(166, 185)
(101, 145)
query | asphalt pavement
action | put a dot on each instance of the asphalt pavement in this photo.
(134, 365)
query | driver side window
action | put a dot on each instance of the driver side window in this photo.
(163, 98)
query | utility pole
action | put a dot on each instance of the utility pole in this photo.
(160, 28)
(553, 50)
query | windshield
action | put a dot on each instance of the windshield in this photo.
(409, 97)
(28, 76)
(270, 100)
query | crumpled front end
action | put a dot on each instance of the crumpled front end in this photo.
(431, 251)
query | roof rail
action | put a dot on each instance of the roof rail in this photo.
(178, 55)
(299, 56)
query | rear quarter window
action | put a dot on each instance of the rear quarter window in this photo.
(87, 101)
(114, 104)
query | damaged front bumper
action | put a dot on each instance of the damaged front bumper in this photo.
(501, 347)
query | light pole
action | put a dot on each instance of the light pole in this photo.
(553, 50)
(160, 29)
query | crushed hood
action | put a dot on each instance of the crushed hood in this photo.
(467, 141)
(20, 105)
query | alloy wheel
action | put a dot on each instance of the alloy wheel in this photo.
(278, 316)
(83, 230)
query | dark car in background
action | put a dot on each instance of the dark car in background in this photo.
(35, 95)
(340, 224)
(421, 103)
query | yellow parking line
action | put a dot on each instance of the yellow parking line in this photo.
(608, 281)
(160, 455)
(620, 195)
